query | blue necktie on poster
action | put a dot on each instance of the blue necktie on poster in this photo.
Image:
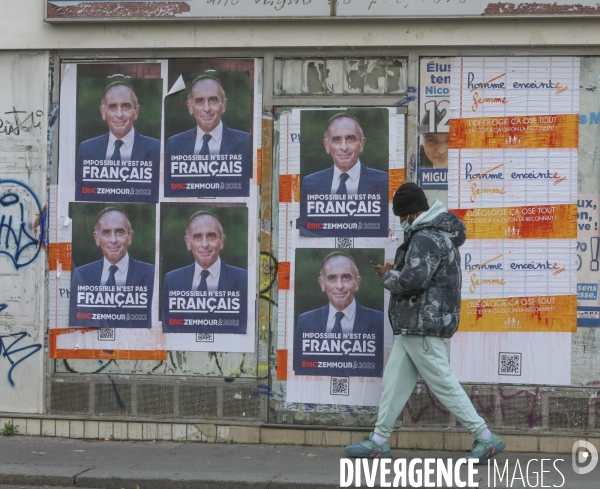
(116, 156)
(337, 326)
(203, 276)
(111, 277)
(204, 150)
(342, 188)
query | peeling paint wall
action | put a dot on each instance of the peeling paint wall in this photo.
(371, 76)
(99, 10)
(540, 8)
(61, 10)
(204, 364)
(23, 26)
(23, 219)
(585, 345)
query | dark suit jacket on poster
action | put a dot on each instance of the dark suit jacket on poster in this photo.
(371, 182)
(138, 274)
(231, 278)
(144, 149)
(366, 321)
(233, 142)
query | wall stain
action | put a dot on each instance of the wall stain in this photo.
(534, 8)
(103, 10)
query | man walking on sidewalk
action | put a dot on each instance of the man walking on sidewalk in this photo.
(424, 284)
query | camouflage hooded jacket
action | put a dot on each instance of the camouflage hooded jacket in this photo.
(426, 279)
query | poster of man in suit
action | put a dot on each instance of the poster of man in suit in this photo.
(338, 307)
(204, 269)
(344, 186)
(208, 148)
(112, 281)
(118, 138)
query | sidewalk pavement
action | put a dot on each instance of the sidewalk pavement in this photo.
(39, 461)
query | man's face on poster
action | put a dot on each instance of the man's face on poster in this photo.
(205, 239)
(340, 281)
(344, 142)
(119, 109)
(207, 103)
(436, 148)
(113, 234)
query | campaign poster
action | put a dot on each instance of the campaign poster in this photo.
(208, 126)
(338, 311)
(588, 262)
(344, 172)
(204, 268)
(512, 179)
(588, 199)
(434, 113)
(117, 135)
(498, 276)
(112, 279)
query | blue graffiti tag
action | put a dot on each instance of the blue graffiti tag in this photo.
(405, 100)
(271, 113)
(263, 390)
(9, 351)
(14, 237)
(413, 168)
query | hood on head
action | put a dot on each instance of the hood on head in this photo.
(437, 217)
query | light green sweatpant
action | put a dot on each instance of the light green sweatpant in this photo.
(425, 355)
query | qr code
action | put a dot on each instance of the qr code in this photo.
(106, 334)
(205, 337)
(344, 242)
(509, 364)
(340, 386)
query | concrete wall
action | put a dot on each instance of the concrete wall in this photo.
(23, 177)
(24, 87)
(22, 26)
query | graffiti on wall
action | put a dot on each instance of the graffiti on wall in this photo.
(20, 240)
(21, 121)
(23, 226)
(24, 168)
(22, 236)
(14, 352)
